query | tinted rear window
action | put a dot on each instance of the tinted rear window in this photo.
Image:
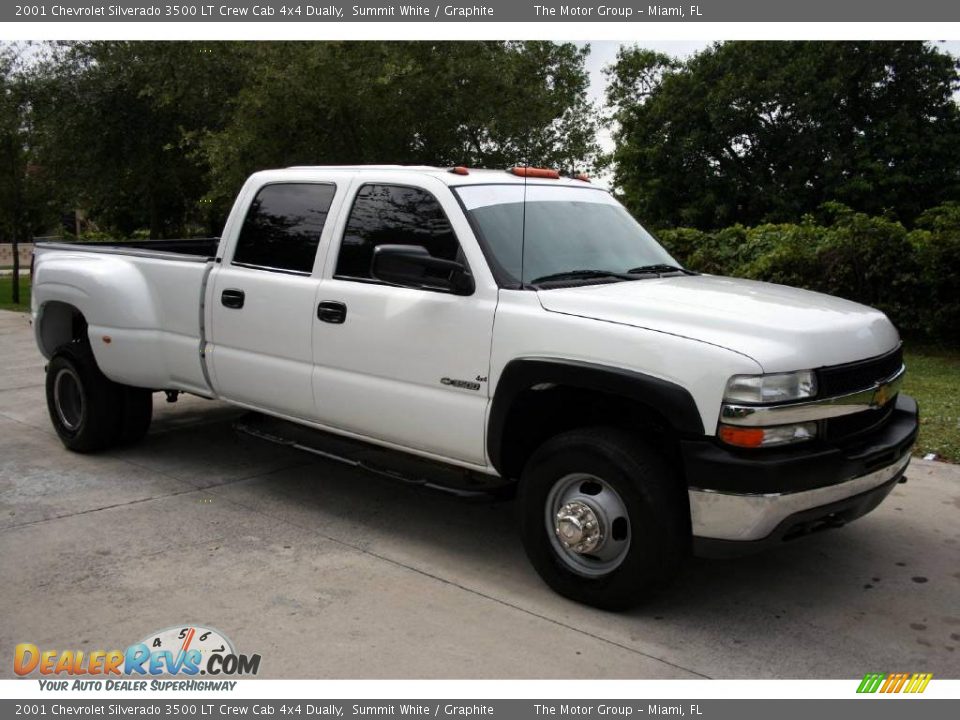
(283, 225)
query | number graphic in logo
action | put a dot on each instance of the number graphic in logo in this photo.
(180, 639)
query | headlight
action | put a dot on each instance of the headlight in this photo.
(773, 388)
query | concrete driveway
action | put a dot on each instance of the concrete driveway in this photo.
(331, 573)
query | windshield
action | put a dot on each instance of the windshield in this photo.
(568, 229)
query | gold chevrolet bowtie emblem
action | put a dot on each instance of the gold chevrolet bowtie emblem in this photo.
(881, 396)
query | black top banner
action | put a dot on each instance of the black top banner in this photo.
(610, 11)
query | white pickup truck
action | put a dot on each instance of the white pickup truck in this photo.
(483, 330)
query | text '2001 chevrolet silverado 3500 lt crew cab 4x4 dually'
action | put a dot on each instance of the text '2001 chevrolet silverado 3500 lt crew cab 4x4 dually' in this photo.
(483, 329)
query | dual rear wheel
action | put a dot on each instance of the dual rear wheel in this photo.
(89, 411)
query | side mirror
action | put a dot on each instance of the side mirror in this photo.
(413, 266)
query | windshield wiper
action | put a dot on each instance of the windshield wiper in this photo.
(658, 269)
(574, 274)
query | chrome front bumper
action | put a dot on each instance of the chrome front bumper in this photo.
(742, 517)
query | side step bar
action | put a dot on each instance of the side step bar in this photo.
(377, 460)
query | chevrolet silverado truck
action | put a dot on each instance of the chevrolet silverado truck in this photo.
(489, 330)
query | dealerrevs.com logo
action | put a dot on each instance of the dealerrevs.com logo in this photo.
(188, 650)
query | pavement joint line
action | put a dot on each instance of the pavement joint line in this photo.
(66, 516)
(45, 430)
(186, 491)
(22, 387)
(445, 581)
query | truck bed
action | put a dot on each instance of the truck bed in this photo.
(145, 296)
(193, 248)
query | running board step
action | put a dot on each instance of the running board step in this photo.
(374, 459)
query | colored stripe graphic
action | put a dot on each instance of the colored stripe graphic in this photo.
(871, 683)
(919, 682)
(894, 682)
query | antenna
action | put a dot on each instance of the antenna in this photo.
(523, 231)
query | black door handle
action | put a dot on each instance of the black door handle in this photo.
(232, 298)
(332, 311)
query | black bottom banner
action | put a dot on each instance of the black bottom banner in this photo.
(874, 708)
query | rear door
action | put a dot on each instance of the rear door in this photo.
(404, 366)
(262, 301)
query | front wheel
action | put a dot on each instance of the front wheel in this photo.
(604, 522)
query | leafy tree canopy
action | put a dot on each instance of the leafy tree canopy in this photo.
(160, 135)
(474, 103)
(753, 132)
(23, 198)
(117, 125)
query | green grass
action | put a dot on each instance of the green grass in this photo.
(6, 292)
(933, 378)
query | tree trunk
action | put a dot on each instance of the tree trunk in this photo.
(16, 268)
(156, 223)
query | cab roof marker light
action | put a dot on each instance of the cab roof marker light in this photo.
(459, 170)
(582, 177)
(532, 172)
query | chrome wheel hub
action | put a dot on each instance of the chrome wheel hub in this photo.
(578, 527)
(588, 524)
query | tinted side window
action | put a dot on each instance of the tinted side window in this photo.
(393, 215)
(283, 225)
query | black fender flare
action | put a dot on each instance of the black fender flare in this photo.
(672, 401)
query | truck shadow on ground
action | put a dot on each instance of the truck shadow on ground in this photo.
(829, 588)
(477, 541)
(841, 595)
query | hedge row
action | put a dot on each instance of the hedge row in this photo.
(912, 275)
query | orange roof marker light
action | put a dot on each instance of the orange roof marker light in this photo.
(459, 170)
(532, 172)
(581, 177)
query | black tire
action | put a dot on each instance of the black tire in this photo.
(656, 540)
(137, 414)
(85, 407)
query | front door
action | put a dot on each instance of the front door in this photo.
(404, 366)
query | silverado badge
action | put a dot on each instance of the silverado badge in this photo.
(465, 384)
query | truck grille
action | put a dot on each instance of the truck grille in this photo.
(849, 378)
(847, 426)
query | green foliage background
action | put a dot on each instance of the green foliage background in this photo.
(759, 132)
(159, 136)
(909, 274)
(828, 165)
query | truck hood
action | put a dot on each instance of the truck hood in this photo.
(781, 328)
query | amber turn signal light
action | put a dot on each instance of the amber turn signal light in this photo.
(753, 437)
(741, 437)
(523, 171)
